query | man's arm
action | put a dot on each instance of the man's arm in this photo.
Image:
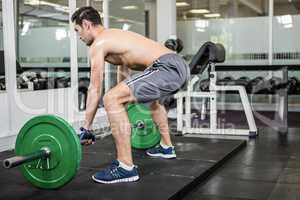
(123, 73)
(95, 87)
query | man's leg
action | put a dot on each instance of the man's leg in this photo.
(165, 149)
(159, 115)
(122, 169)
(114, 101)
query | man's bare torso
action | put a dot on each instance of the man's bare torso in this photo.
(128, 49)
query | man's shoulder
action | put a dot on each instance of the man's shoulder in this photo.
(102, 44)
(109, 32)
(105, 37)
(119, 33)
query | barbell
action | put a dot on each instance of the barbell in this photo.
(48, 150)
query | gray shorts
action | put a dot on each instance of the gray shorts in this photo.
(164, 77)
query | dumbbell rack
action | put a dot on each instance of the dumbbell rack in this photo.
(212, 96)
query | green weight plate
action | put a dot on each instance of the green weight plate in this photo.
(54, 133)
(144, 133)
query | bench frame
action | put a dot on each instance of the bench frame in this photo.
(185, 119)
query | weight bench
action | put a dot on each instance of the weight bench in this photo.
(206, 57)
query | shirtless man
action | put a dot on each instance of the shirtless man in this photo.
(164, 72)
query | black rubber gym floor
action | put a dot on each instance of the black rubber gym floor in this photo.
(196, 159)
(267, 169)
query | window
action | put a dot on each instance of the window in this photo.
(83, 61)
(286, 22)
(126, 15)
(2, 66)
(241, 26)
(43, 45)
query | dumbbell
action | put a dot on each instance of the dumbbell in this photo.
(204, 85)
(174, 44)
(62, 82)
(82, 96)
(2, 86)
(228, 80)
(83, 85)
(274, 84)
(293, 85)
(255, 85)
(244, 80)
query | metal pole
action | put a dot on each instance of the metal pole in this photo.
(271, 13)
(19, 160)
(106, 25)
(73, 57)
(9, 43)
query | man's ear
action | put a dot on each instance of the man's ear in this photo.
(86, 24)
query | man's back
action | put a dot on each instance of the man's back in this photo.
(128, 48)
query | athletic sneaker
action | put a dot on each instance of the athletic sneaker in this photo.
(116, 174)
(159, 151)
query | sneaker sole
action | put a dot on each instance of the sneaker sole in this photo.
(161, 155)
(123, 180)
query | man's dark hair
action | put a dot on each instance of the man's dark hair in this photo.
(88, 13)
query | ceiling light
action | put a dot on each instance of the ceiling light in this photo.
(60, 34)
(198, 11)
(200, 30)
(121, 20)
(288, 25)
(201, 23)
(182, 4)
(212, 15)
(129, 7)
(32, 2)
(285, 19)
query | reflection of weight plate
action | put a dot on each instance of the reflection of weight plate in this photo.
(55, 134)
(144, 133)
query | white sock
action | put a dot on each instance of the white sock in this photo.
(164, 145)
(124, 166)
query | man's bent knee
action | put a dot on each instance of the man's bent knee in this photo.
(108, 99)
(117, 96)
